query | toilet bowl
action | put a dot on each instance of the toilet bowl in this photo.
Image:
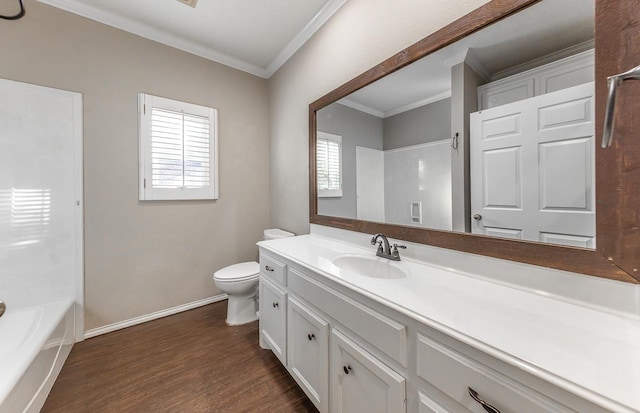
(240, 282)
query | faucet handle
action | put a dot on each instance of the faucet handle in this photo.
(380, 247)
(395, 253)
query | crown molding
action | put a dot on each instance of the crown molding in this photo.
(414, 105)
(195, 48)
(361, 107)
(305, 34)
(469, 57)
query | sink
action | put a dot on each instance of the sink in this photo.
(374, 267)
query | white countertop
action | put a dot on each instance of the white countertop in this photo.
(593, 354)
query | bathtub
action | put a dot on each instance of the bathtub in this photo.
(34, 343)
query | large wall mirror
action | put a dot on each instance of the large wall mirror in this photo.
(484, 137)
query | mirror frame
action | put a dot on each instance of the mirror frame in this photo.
(617, 221)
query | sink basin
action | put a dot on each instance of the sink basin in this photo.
(374, 267)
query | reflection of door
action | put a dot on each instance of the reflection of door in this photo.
(369, 184)
(532, 169)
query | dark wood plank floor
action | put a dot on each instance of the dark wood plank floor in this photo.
(189, 362)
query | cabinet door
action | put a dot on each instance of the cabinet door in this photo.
(308, 352)
(362, 383)
(273, 318)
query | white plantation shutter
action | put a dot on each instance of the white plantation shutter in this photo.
(178, 150)
(329, 164)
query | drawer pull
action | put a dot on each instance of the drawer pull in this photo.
(311, 336)
(347, 369)
(266, 267)
(276, 305)
(486, 406)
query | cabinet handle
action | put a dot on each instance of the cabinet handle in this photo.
(347, 369)
(276, 305)
(486, 406)
(311, 336)
(609, 115)
(266, 267)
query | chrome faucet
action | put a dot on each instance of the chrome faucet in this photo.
(384, 249)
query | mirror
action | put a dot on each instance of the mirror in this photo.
(465, 144)
(403, 164)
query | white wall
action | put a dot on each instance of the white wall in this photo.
(360, 35)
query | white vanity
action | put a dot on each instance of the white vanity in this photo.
(429, 336)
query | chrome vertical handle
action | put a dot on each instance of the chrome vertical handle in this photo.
(609, 116)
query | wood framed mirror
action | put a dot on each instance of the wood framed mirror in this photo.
(617, 176)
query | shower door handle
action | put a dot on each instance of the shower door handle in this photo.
(609, 116)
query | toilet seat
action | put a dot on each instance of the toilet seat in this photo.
(238, 272)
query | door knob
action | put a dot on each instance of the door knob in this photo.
(477, 217)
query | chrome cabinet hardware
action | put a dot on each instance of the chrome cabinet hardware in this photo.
(486, 406)
(477, 217)
(275, 305)
(266, 267)
(609, 116)
(346, 369)
(311, 336)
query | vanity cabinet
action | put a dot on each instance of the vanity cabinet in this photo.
(351, 354)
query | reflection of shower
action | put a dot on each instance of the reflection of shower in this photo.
(24, 216)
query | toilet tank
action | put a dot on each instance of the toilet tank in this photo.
(275, 233)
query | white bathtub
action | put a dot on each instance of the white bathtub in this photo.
(34, 343)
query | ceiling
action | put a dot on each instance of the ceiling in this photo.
(255, 36)
(560, 28)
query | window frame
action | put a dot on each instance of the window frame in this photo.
(146, 192)
(330, 193)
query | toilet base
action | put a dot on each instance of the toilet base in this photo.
(241, 309)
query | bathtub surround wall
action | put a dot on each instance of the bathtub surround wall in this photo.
(360, 35)
(145, 257)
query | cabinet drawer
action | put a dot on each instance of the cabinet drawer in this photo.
(273, 269)
(454, 373)
(379, 330)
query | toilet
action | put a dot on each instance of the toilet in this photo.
(240, 282)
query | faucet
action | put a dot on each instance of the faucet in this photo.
(384, 249)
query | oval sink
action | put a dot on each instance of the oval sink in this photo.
(374, 267)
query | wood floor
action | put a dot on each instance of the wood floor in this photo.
(189, 362)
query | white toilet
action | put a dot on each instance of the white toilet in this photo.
(240, 282)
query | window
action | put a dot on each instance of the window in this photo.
(178, 150)
(329, 164)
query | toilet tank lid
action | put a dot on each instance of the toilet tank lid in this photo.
(238, 271)
(274, 233)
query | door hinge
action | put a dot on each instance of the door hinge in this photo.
(144, 109)
(144, 183)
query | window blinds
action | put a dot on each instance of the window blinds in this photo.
(328, 164)
(179, 149)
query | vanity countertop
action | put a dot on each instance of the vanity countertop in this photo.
(592, 353)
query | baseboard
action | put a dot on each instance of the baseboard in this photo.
(152, 316)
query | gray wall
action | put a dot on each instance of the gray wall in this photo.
(145, 257)
(427, 123)
(464, 101)
(357, 129)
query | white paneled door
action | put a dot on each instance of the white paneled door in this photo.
(369, 184)
(532, 169)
